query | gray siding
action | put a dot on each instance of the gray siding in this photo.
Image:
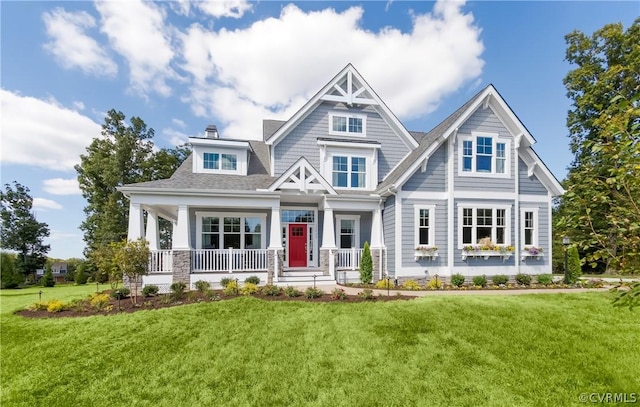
(409, 228)
(389, 230)
(302, 140)
(435, 176)
(483, 120)
(529, 185)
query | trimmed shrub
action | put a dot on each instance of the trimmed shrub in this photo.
(271, 290)
(411, 285)
(435, 284)
(202, 285)
(367, 294)
(338, 294)
(480, 281)
(544, 279)
(225, 281)
(231, 288)
(47, 279)
(177, 290)
(55, 306)
(385, 283)
(523, 279)
(366, 265)
(457, 280)
(249, 289)
(150, 290)
(120, 293)
(500, 279)
(252, 280)
(292, 292)
(312, 292)
(575, 265)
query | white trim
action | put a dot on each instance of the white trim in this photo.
(182, 238)
(348, 144)
(550, 231)
(136, 221)
(516, 188)
(475, 206)
(221, 216)
(347, 115)
(198, 141)
(356, 219)
(450, 203)
(536, 230)
(371, 169)
(495, 140)
(416, 224)
(398, 232)
(198, 160)
(313, 182)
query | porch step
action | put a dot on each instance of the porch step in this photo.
(305, 278)
(302, 273)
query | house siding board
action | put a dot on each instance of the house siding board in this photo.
(481, 262)
(435, 176)
(389, 231)
(529, 185)
(483, 120)
(302, 141)
(409, 228)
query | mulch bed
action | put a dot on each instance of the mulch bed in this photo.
(113, 307)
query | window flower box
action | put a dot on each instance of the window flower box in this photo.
(426, 252)
(487, 251)
(531, 252)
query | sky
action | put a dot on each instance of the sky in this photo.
(182, 65)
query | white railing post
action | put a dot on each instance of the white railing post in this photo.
(353, 258)
(230, 260)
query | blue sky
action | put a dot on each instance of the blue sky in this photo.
(180, 66)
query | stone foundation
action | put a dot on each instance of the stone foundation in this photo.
(271, 262)
(182, 266)
(375, 257)
(325, 261)
(129, 283)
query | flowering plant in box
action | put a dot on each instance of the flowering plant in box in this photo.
(533, 250)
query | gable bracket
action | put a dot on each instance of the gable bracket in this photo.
(424, 164)
(530, 168)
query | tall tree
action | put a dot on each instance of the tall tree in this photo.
(20, 229)
(600, 209)
(123, 154)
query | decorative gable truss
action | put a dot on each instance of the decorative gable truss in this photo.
(349, 90)
(301, 176)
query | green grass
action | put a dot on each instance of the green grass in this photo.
(534, 350)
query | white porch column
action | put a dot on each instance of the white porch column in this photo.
(275, 239)
(328, 230)
(181, 232)
(152, 234)
(136, 221)
(376, 229)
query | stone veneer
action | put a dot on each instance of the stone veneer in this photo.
(324, 261)
(270, 264)
(182, 266)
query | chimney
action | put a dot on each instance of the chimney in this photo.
(211, 131)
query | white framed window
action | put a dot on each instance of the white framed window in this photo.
(347, 124)
(230, 230)
(529, 226)
(229, 162)
(216, 161)
(424, 221)
(484, 154)
(211, 161)
(349, 172)
(348, 231)
(480, 221)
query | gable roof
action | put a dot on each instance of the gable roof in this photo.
(348, 87)
(303, 177)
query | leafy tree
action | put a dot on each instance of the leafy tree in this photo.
(102, 258)
(9, 276)
(20, 230)
(366, 265)
(47, 279)
(132, 258)
(575, 265)
(600, 210)
(80, 277)
(123, 154)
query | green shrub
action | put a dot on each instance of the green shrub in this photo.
(367, 294)
(385, 284)
(202, 286)
(10, 277)
(80, 277)
(249, 289)
(120, 293)
(150, 290)
(55, 306)
(231, 288)
(292, 292)
(575, 266)
(47, 279)
(523, 279)
(177, 290)
(500, 279)
(212, 295)
(313, 292)
(544, 279)
(366, 265)
(252, 280)
(271, 290)
(480, 281)
(411, 285)
(225, 281)
(38, 306)
(339, 294)
(457, 280)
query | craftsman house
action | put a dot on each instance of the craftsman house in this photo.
(470, 196)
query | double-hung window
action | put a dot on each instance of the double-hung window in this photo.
(483, 155)
(424, 220)
(529, 226)
(347, 231)
(349, 172)
(479, 222)
(347, 124)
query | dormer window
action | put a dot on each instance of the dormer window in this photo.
(347, 124)
(220, 156)
(215, 161)
(484, 155)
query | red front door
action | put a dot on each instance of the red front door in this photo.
(297, 245)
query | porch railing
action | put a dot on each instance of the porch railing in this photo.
(349, 259)
(160, 261)
(228, 260)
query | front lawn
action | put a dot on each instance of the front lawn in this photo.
(454, 350)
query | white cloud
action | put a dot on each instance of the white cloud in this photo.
(42, 134)
(176, 137)
(138, 32)
(59, 235)
(44, 204)
(225, 8)
(179, 123)
(70, 45)
(78, 105)
(61, 186)
(270, 68)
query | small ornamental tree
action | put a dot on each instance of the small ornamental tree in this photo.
(132, 259)
(47, 279)
(575, 265)
(80, 276)
(10, 277)
(366, 265)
